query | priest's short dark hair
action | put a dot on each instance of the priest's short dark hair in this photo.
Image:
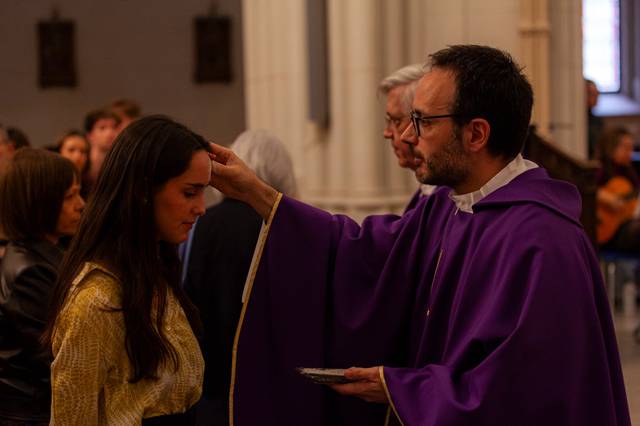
(489, 85)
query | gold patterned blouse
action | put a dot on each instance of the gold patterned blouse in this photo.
(90, 371)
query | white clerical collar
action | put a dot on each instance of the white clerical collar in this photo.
(517, 166)
(427, 189)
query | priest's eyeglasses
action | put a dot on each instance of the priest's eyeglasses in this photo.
(420, 121)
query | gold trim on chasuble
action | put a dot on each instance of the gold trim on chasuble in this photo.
(246, 294)
(391, 405)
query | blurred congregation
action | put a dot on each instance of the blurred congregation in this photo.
(61, 177)
(147, 216)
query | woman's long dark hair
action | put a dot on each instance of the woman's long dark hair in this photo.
(118, 230)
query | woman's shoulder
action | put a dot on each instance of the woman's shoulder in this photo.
(92, 311)
(95, 287)
(92, 307)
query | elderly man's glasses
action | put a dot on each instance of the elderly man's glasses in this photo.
(396, 122)
(419, 121)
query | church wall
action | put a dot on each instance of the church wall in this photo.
(138, 49)
(347, 166)
(492, 22)
(426, 26)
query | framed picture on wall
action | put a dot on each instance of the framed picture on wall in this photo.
(56, 56)
(212, 49)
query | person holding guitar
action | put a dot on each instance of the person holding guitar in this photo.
(617, 196)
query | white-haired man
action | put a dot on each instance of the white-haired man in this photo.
(399, 87)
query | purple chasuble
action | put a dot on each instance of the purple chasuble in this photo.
(413, 202)
(494, 318)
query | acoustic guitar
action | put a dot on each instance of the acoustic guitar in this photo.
(609, 220)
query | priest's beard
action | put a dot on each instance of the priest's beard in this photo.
(447, 167)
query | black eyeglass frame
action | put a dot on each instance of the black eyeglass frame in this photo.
(417, 118)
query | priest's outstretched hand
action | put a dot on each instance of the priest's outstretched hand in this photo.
(231, 176)
(367, 384)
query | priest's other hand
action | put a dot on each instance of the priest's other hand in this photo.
(231, 176)
(366, 384)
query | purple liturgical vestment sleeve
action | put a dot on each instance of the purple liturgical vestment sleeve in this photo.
(493, 318)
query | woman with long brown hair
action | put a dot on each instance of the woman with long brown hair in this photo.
(121, 327)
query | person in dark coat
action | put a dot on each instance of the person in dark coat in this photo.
(40, 204)
(221, 251)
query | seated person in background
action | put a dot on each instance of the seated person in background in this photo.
(74, 146)
(120, 325)
(223, 243)
(41, 203)
(618, 185)
(127, 110)
(100, 128)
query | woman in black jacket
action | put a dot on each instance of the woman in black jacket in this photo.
(39, 203)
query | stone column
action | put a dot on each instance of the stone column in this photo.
(403, 43)
(534, 37)
(359, 171)
(276, 73)
(415, 28)
(347, 167)
(568, 104)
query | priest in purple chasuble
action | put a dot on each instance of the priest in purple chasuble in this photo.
(482, 305)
